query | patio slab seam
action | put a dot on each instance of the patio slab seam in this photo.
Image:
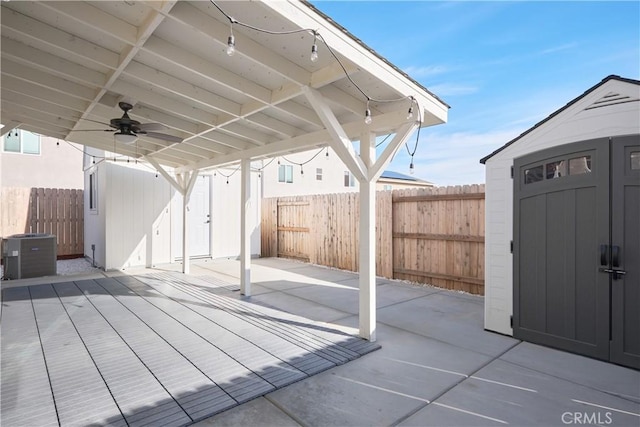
(456, 384)
(608, 392)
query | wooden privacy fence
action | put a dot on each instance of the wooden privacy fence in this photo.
(431, 235)
(45, 210)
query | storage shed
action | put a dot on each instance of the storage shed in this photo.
(562, 229)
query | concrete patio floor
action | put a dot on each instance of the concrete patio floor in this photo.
(437, 366)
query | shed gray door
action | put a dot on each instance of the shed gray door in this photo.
(572, 213)
(625, 251)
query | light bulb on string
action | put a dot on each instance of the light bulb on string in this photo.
(231, 45)
(327, 154)
(410, 113)
(231, 41)
(367, 114)
(411, 169)
(314, 48)
(301, 170)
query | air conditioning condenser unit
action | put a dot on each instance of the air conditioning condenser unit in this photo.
(30, 255)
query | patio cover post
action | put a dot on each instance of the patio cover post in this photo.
(367, 232)
(245, 228)
(187, 182)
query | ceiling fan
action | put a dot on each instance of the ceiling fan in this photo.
(127, 130)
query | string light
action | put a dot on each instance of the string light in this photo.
(327, 154)
(314, 57)
(411, 170)
(314, 48)
(367, 114)
(410, 112)
(301, 170)
(231, 41)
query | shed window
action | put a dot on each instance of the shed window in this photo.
(635, 160)
(533, 175)
(556, 169)
(285, 173)
(318, 174)
(580, 165)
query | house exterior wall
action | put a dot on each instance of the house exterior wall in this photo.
(332, 181)
(133, 222)
(384, 184)
(333, 176)
(571, 125)
(57, 166)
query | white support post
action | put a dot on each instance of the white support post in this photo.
(367, 306)
(190, 181)
(245, 228)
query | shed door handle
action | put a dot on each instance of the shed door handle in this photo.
(604, 250)
(615, 256)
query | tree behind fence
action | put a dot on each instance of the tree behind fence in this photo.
(45, 210)
(431, 235)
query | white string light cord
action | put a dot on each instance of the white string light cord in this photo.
(231, 48)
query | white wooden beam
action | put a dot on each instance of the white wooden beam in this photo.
(46, 94)
(15, 22)
(218, 32)
(339, 141)
(382, 124)
(46, 80)
(9, 125)
(245, 228)
(49, 63)
(367, 235)
(164, 173)
(390, 150)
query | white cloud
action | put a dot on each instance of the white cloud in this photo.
(558, 48)
(426, 71)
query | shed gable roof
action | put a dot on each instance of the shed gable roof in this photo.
(611, 98)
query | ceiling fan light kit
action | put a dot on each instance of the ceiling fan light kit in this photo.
(125, 137)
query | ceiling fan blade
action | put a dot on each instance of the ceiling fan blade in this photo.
(96, 121)
(92, 130)
(163, 136)
(146, 127)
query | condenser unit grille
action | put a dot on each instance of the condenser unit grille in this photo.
(30, 255)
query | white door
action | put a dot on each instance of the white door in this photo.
(199, 217)
(199, 211)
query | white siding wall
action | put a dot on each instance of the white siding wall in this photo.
(94, 221)
(138, 219)
(225, 215)
(572, 125)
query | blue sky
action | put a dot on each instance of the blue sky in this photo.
(502, 66)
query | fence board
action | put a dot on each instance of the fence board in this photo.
(431, 235)
(45, 210)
